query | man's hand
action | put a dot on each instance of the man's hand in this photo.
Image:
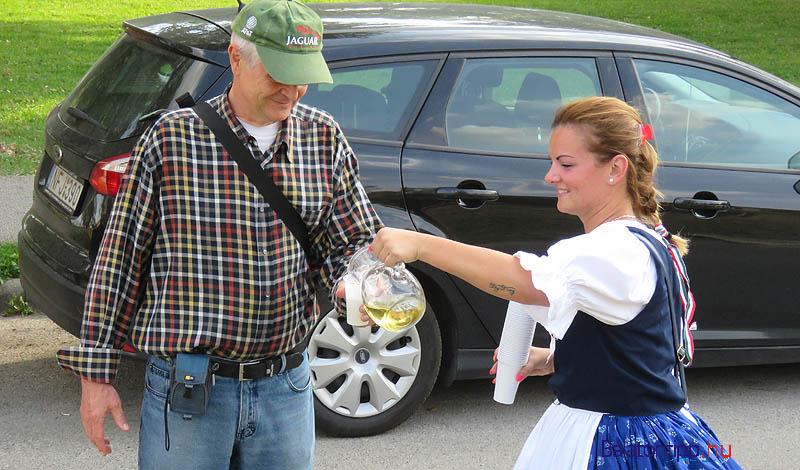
(340, 293)
(98, 400)
(365, 317)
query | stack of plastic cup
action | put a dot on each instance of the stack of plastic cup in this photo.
(352, 291)
(515, 346)
(362, 261)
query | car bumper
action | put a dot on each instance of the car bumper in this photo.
(47, 291)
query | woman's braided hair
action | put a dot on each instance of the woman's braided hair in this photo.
(614, 128)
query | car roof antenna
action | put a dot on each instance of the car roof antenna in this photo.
(241, 5)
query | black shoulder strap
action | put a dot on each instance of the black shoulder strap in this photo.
(256, 174)
(646, 239)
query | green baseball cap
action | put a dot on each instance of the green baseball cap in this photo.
(288, 37)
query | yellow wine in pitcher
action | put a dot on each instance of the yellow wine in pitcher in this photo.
(395, 312)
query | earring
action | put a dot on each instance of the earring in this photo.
(611, 180)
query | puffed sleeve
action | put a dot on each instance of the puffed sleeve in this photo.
(607, 273)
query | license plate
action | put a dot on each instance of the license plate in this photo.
(66, 189)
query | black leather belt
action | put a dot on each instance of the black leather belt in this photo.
(259, 369)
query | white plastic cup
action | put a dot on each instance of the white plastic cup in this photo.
(352, 291)
(513, 352)
(505, 387)
(517, 336)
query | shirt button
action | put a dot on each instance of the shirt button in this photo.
(261, 210)
(264, 251)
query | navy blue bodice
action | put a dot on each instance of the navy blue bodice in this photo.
(626, 369)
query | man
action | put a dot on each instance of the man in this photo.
(195, 261)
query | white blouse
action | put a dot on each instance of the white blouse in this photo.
(608, 274)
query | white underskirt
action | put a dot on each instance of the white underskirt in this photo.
(563, 437)
(561, 440)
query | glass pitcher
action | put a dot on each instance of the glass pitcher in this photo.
(362, 261)
(392, 296)
(359, 264)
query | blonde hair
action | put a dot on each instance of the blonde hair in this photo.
(614, 128)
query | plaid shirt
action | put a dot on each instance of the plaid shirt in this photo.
(193, 259)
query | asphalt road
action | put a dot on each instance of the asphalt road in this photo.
(16, 194)
(754, 410)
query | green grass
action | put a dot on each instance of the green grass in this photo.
(9, 269)
(45, 51)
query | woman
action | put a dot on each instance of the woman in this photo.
(601, 296)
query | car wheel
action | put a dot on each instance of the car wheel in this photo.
(368, 380)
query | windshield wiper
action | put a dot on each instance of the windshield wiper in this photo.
(152, 116)
(75, 112)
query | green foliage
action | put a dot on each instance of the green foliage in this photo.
(17, 306)
(45, 51)
(9, 269)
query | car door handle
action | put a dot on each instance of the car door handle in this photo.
(463, 193)
(701, 204)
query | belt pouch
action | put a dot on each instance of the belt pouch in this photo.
(189, 385)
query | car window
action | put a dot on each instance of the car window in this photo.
(508, 104)
(700, 116)
(130, 85)
(372, 100)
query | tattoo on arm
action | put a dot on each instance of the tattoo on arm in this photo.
(497, 288)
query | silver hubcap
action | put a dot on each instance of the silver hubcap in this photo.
(360, 372)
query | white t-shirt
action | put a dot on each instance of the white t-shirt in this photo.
(264, 135)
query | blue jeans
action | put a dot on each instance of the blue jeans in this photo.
(260, 424)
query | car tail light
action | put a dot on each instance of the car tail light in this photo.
(107, 174)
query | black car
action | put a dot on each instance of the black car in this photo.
(448, 108)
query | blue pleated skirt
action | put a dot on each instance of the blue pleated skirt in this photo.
(678, 440)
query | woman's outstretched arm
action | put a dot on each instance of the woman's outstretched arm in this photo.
(497, 273)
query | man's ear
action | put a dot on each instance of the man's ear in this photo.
(235, 57)
(618, 168)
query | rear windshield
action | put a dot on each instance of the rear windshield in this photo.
(124, 91)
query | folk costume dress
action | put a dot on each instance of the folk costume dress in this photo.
(618, 404)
